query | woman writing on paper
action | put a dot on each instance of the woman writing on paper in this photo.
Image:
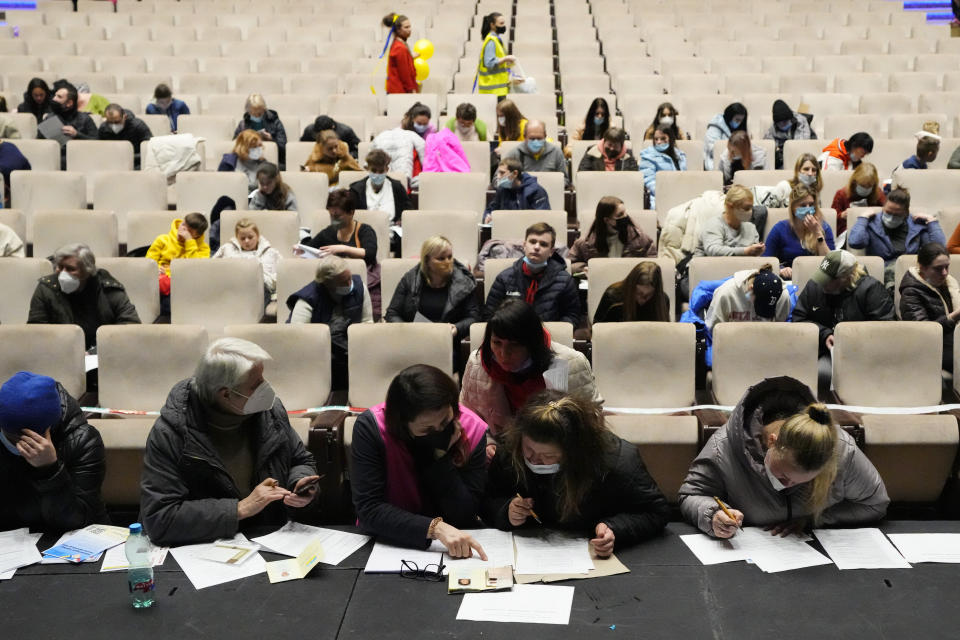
(781, 463)
(418, 464)
(560, 466)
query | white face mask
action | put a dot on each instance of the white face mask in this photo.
(863, 191)
(542, 469)
(502, 120)
(774, 481)
(666, 120)
(807, 179)
(116, 128)
(68, 283)
(256, 153)
(261, 399)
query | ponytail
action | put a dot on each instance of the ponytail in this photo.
(812, 437)
(392, 19)
(487, 19)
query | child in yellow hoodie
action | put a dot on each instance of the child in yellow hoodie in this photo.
(185, 240)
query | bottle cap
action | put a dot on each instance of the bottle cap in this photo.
(136, 528)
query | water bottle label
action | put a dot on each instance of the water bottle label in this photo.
(143, 586)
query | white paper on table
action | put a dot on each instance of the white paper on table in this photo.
(773, 553)
(712, 550)
(88, 543)
(292, 538)
(537, 603)
(18, 548)
(860, 549)
(553, 553)
(230, 551)
(115, 559)
(204, 573)
(557, 376)
(928, 547)
(60, 540)
(498, 545)
(386, 558)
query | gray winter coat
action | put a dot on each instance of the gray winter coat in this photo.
(187, 495)
(461, 308)
(731, 467)
(551, 159)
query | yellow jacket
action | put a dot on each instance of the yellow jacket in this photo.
(167, 247)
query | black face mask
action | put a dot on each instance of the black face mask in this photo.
(437, 439)
(622, 223)
(501, 30)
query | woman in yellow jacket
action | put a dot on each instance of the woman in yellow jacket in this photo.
(493, 74)
(185, 240)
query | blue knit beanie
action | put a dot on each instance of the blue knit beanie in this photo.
(29, 401)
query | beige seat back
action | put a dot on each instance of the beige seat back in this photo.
(380, 221)
(392, 271)
(491, 269)
(913, 454)
(459, 227)
(295, 274)
(677, 187)
(804, 266)
(199, 191)
(478, 155)
(125, 191)
(744, 353)
(378, 352)
(140, 364)
(16, 220)
(467, 190)
(511, 225)
(668, 445)
(300, 368)
(659, 353)
(139, 277)
(553, 182)
(54, 229)
(279, 227)
(18, 281)
(606, 271)
(46, 190)
(92, 156)
(54, 350)
(215, 293)
(43, 155)
(311, 189)
(930, 189)
(718, 268)
(124, 442)
(561, 332)
(209, 126)
(593, 185)
(887, 364)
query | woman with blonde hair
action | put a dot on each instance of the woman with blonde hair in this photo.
(561, 462)
(732, 233)
(439, 289)
(638, 297)
(805, 233)
(246, 157)
(331, 155)
(781, 463)
(248, 243)
(264, 122)
(862, 190)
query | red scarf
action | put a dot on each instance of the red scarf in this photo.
(516, 386)
(534, 282)
(608, 163)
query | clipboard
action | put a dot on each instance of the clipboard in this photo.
(52, 129)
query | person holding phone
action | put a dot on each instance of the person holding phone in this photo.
(419, 465)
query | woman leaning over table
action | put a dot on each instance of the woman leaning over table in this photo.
(418, 464)
(561, 465)
(781, 463)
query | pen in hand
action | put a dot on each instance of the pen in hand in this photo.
(532, 512)
(726, 512)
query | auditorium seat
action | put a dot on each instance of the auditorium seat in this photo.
(511, 224)
(930, 189)
(125, 191)
(668, 445)
(744, 353)
(124, 442)
(281, 228)
(606, 271)
(96, 229)
(378, 352)
(718, 268)
(209, 127)
(143, 227)
(215, 293)
(16, 220)
(295, 273)
(392, 271)
(677, 187)
(594, 185)
(27, 126)
(459, 227)
(139, 277)
(398, 104)
(54, 350)
(18, 281)
(491, 269)
(199, 191)
(560, 332)
(32, 191)
(440, 190)
(311, 189)
(139, 363)
(92, 156)
(300, 367)
(887, 364)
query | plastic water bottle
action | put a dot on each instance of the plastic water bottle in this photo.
(140, 573)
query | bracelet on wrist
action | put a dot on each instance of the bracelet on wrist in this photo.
(432, 529)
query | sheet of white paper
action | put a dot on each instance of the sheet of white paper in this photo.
(553, 553)
(928, 547)
(386, 558)
(292, 538)
(860, 549)
(773, 553)
(90, 362)
(557, 375)
(397, 229)
(498, 545)
(88, 543)
(8, 574)
(60, 540)
(536, 603)
(419, 317)
(115, 559)
(712, 550)
(18, 548)
(204, 573)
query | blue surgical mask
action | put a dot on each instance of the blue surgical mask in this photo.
(533, 266)
(735, 123)
(535, 146)
(598, 122)
(504, 183)
(803, 212)
(785, 126)
(9, 445)
(891, 221)
(256, 119)
(378, 178)
(344, 291)
(807, 179)
(420, 128)
(661, 147)
(543, 469)
(863, 191)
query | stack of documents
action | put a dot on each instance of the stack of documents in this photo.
(115, 559)
(552, 553)
(292, 538)
(860, 549)
(204, 572)
(87, 544)
(18, 548)
(928, 547)
(498, 545)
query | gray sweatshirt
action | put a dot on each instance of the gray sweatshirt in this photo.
(717, 238)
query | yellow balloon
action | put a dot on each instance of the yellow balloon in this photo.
(424, 47)
(423, 69)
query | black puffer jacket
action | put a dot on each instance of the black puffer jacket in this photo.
(271, 124)
(65, 496)
(623, 496)
(186, 493)
(869, 300)
(461, 308)
(557, 298)
(920, 301)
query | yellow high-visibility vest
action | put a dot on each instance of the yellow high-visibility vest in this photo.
(497, 79)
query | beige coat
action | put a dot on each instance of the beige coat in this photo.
(489, 401)
(681, 228)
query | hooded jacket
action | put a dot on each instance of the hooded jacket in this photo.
(652, 161)
(529, 195)
(681, 228)
(265, 253)
(401, 145)
(731, 303)
(592, 160)
(799, 130)
(920, 301)
(461, 308)
(271, 124)
(65, 496)
(550, 159)
(622, 495)
(835, 155)
(869, 234)
(557, 297)
(168, 247)
(134, 131)
(868, 300)
(444, 153)
(187, 495)
(731, 467)
(50, 305)
(717, 129)
(344, 133)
